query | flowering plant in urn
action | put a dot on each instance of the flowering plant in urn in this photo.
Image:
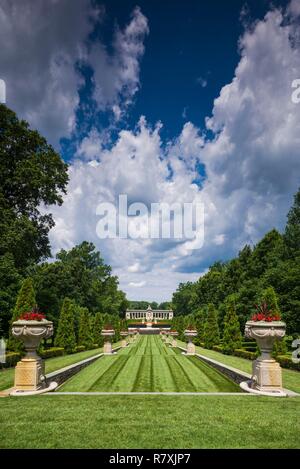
(31, 327)
(265, 326)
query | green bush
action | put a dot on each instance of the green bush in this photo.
(245, 354)
(218, 348)
(286, 362)
(12, 359)
(79, 348)
(95, 346)
(52, 352)
(65, 336)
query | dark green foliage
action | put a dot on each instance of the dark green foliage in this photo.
(65, 336)
(10, 282)
(211, 328)
(82, 275)
(52, 352)
(11, 359)
(292, 230)
(25, 302)
(232, 338)
(84, 333)
(31, 174)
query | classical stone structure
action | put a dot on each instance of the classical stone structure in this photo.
(149, 314)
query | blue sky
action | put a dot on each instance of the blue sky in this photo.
(167, 102)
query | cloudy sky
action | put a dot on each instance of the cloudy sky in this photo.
(166, 102)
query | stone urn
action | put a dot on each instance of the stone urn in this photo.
(174, 335)
(266, 372)
(108, 334)
(124, 335)
(29, 372)
(189, 334)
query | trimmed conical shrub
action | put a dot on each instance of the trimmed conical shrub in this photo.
(65, 336)
(232, 337)
(98, 324)
(211, 328)
(25, 302)
(84, 333)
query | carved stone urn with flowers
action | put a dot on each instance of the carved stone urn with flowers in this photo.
(265, 327)
(31, 328)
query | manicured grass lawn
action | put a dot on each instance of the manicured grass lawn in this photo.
(149, 365)
(59, 421)
(51, 364)
(290, 378)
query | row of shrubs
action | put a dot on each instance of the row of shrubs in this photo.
(12, 358)
(284, 360)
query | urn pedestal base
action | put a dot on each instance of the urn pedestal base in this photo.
(107, 349)
(29, 375)
(191, 349)
(266, 375)
(174, 343)
(124, 343)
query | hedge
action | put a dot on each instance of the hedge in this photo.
(239, 352)
(218, 348)
(12, 359)
(79, 348)
(286, 362)
(52, 352)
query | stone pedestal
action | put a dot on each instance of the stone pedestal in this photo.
(174, 342)
(108, 334)
(266, 375)
(107, 349)
(123, 343)
(29, 374)
(190, 350)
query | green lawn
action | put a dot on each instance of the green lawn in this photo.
(149, 365)
(290, 378)
(51, 364)
(159, 421)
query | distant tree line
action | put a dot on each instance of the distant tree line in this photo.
(274, 262)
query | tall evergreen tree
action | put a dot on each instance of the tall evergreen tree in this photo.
(292, 230)
(25, 303)
(232, 337)
(98, 325)
(211, 328)
(65, 336)
(84, 334)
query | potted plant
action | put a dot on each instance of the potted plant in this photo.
(265, 326)
(31, 328)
